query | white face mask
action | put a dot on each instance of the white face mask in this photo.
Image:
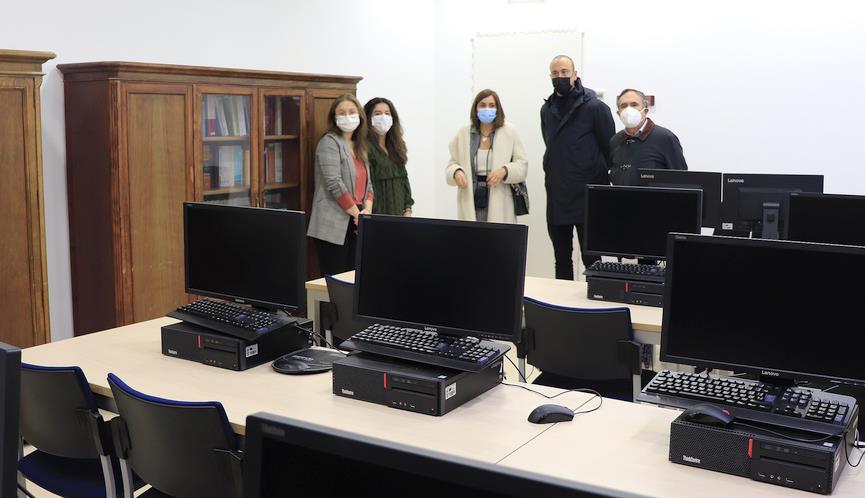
(381, 123)
(348, 123)
(630, 117)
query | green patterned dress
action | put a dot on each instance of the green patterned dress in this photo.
(390, 183)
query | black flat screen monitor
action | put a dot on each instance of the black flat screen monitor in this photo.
(708, 182)
(833, 219)
(462, 278)
(634, 221)
(287, 457)
(761, 306)
(10, 408)
(248, 255)
(748, 198)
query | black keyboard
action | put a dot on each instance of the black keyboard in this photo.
(797, 407)
(653, 272)
(230, 318)
(460, 353)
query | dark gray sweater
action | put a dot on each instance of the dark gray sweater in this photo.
(656, 148)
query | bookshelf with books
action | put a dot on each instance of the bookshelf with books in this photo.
(144, 138)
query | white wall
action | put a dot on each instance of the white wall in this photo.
(747, 86)
(762, 87)
(368, 38)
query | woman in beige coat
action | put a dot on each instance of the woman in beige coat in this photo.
(486, 157)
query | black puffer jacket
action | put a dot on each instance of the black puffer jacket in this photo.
(577, 134)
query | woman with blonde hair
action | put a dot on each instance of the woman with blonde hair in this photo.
(487, 156)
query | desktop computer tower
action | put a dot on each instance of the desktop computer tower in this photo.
(192, 342)
(410, 386)
(762, 455)
(623, 290)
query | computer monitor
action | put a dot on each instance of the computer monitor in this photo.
(248, 255)
(708, 182)
(756, 203)
(830, 218)
(10, 408)
(288, 457)
(762, 306)
(462, 278)
(634, 221)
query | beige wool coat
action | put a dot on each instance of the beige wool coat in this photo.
(507, 150)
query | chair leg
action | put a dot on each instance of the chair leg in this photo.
(22, 482)
(126, 472)
(108, 476)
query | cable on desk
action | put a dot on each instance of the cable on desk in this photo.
(517, 369)
(857, 445)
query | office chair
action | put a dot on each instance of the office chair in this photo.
(582, 348)
(182, 449)
(74, 454)
(336, 315)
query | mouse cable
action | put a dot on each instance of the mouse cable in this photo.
(24, 490)
(595, 394)
(857, 445)
(520, 374)
(785, 436)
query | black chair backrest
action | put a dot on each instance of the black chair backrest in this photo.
(342, 324)
(183, 449)
(58, 412)
(578, 343)
(10, 404)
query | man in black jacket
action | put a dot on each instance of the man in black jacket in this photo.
(577, 127)
(642, 144)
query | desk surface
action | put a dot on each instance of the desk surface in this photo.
(622, 446)
(562, 292)
(630, 447)
(487, 428)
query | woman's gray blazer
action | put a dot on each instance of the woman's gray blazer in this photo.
(334, 176)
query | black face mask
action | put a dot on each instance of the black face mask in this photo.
(562, 85)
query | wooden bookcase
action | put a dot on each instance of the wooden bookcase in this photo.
(23, 268)
(143, 138)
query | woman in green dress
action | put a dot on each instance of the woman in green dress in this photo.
(387, 158)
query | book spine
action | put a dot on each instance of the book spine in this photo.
(278, 163)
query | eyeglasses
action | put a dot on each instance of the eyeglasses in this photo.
(564, 73)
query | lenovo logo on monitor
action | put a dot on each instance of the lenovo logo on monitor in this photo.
(735, 180)
(647, 176)
(770, 373)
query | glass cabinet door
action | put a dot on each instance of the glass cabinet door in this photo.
(225, 129)
(281, 179)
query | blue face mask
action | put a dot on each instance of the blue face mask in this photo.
(487, 115)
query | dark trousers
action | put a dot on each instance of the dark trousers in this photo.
(562, 237)
(335, 258)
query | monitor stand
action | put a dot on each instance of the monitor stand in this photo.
(771, 213)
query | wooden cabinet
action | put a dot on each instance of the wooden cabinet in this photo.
(143, 138)
(23, 269)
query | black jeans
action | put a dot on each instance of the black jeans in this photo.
(562, 237)
(335, 258)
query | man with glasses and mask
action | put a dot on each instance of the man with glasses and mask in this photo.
(642, 144)
(577, 127)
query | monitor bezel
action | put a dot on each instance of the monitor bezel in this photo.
(443, 329)
(298, 217)
(814, 195)
(426, 463)
(768, 371)
(704, 178)
(622, 188)
(731, 198)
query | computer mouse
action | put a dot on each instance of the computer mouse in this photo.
(708, 414)
(547, 414)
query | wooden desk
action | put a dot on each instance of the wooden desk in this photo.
(487, 428)
(626, 446)
(646, 319)
(622, 446)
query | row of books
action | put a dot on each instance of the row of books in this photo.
(281, 116)
(228, 168)
(225, 115)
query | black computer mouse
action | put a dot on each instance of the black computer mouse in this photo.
(708, 414)
(547, 414)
